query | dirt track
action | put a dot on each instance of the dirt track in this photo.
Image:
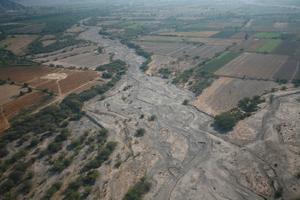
(182, 155)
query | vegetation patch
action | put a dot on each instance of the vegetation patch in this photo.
(8, 58)
(268, 35)
(37, 46)
(102, 156)
(138, 190)
(218, 62)
(226, 121)
(81, 187)
(140, 132)
(269, 46)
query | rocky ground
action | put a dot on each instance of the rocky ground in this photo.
(180, 152)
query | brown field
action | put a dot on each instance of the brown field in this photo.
(76, 80)
(11, 109)
(51, 85)
(288, 48)
(254, 44)
(184, 52)
(3, 123)
(207, 41)
(204, 52)
(89, 60)
(59, 81)
(41, 77)
(288, 71)
(18, 44)
(7, 92)
(173, 64)
(225, 93)
(200, 34)
(161, 48)
(251, 65)
(24, 74)
(28, 29)
(80, 57)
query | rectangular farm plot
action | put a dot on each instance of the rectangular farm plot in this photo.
(288, 70)
(251, 65)
(207, 41)
(288, 47)
(269, 46)
(219, 61)
(225, 93)
(201, 34)
(27, 101)
(8, 92)
(76, 79)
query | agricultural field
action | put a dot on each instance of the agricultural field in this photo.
(8, 92)
(225, 93)
(46, 84)
(48, 78)
(267, 35)
(219, 61)
(200, 34)
(288, 47)
(251, 65)
(269, 46)
(154, 100)
(85, 56)
(289, 71)
(18, 44)
(207, 41)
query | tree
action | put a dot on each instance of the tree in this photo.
(225, 121)
(140, 132)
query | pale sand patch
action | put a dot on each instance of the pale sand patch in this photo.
(280, 25)
(55, 76)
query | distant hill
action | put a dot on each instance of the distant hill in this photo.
(8, 5)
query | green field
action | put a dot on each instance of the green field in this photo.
(269, 46)
(219, 61)
(267, 35)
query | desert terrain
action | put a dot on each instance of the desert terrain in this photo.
(150, 100)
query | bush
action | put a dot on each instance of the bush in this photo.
(52, 190)
(250, 105)
(138, 190)
(225, 121)
(54, 147)
(296, 83)
(185, 102)
(140, 132)
(101, 157)
(164, 72)
(106, 75)
(152, 118)
(60, 164)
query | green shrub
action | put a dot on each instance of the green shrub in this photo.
(185, 102)
(152, 118)
(60, 164)
(52, 190)
(140, 132)
(102, 156)
(138, 190)
(225, 121)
